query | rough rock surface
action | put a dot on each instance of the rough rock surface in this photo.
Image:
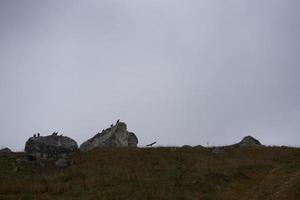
(50, 146)
(5, 150)
(249, 141)
(132, 140)
(61, 163)
(115, 136)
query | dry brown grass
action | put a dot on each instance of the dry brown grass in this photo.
(158, 173)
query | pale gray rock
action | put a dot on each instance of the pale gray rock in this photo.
(115, 136)
(61, 163)
(50, 146)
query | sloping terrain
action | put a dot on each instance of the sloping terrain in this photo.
(157, 173)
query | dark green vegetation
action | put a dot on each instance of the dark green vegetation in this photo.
(157, 173)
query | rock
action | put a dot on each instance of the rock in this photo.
(50, 146)
(61, 163)
(5, 150)
(115, 136)
(249, 141)
(132, 140)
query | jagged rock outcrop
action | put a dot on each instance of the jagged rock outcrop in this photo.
(115, 136)
(5, 150)
(249, 141)
(50, 146)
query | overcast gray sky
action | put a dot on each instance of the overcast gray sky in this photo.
(176, 71)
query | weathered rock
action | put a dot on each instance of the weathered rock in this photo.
(115, 136)
(132, 140)
(5, 150)
(61, 163)
(249, 141)
(50, 146)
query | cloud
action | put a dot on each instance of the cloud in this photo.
(177, 72)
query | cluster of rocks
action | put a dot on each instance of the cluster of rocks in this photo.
(59, 147)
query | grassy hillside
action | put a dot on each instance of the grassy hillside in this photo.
(157, 173)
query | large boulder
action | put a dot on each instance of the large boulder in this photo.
(50, 146)
(115, 136)
(249, 141)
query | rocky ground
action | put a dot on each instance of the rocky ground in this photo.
(156, 173)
